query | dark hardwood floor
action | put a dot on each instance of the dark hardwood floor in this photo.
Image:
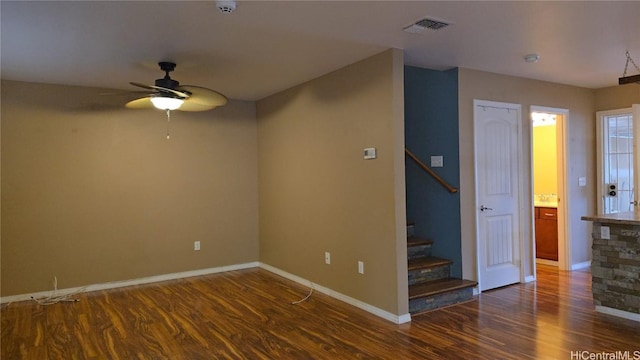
(248, 314)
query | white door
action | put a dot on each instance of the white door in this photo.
(497, 160)
(618, 160)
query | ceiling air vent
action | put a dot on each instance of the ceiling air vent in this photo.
(426, 23)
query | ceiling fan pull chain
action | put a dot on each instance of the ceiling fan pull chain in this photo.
(168, 121)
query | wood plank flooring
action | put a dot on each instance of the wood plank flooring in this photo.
(248, 314)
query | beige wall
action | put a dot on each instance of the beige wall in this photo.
(317, 193)
(580, 147)
(96, 193)
(617, 97)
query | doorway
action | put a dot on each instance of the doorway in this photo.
(618, 160)
(549, 197)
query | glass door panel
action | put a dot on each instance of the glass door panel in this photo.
(618, 162)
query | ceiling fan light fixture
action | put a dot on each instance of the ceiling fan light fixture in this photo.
(166, 103)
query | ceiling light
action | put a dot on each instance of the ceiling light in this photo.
(543, 119)
(532, 58)
(166, 103)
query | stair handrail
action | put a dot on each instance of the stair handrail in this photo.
(424, 167)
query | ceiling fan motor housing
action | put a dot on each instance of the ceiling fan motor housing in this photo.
(167, 82)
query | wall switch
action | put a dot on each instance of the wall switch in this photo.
(437, 161)
(361, 267)
(604, 233)
(370, 153)
(327, 257)
(196, 245)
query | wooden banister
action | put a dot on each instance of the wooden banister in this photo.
(424, 167)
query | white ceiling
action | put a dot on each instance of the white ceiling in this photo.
(267, 46)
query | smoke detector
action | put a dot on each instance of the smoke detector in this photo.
(532, 58)
(226, 7)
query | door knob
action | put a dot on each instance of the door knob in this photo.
(483, 208)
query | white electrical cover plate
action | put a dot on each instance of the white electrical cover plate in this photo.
(437, 161)
(369, 153)
(582, 181)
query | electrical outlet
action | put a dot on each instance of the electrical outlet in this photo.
(604, 233)
(196, 245)
(361, 267)
(327, 257)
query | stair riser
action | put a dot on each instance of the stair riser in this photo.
(440, 300)
(424, 275)
(418, 251)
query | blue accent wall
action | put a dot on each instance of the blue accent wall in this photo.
(431, 129)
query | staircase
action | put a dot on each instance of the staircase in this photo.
(430, 284)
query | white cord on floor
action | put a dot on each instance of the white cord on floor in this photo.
(54, 298)
(306, 297)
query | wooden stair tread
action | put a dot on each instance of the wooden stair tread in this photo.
(438, 287)
(427, 262)
(416, 241)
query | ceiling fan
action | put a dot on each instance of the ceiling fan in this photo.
(168, 94)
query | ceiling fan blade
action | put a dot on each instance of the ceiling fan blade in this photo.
(201, 99)
(160, 88)
(124, 93)
(193, 106)
(142, 103)
(148, 87)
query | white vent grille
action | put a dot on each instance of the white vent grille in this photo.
(426, 23)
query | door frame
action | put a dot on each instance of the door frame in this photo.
(634, 109)
(564, 238)
(520, 187)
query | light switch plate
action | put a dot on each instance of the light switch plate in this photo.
(582, 181)
(605, 233)
(370, 153)
(437, 161)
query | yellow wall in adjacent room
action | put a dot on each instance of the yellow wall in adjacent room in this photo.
(545, 160)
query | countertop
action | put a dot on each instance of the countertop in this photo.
(623, 218)
(548, 204)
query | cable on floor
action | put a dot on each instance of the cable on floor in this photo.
(305, 298)
(54, 298)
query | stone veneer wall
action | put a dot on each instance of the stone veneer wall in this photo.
(616, 267)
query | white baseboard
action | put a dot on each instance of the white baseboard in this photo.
(140, 281)
(618, 313)
(530, 278)
(397, 319)
(582, 265)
